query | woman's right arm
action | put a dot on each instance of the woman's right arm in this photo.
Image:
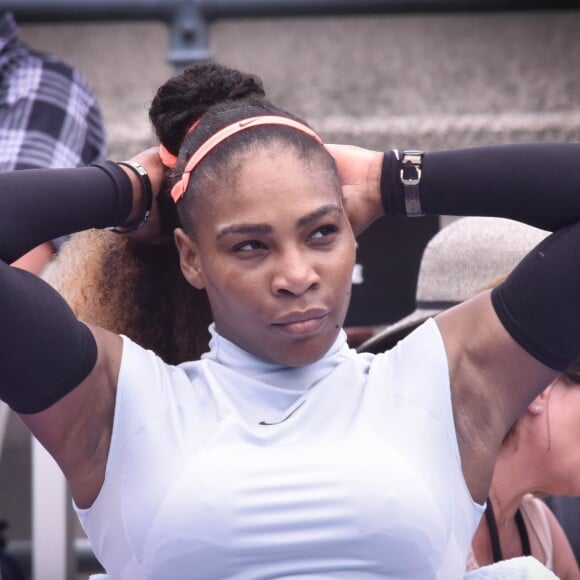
(57, 373)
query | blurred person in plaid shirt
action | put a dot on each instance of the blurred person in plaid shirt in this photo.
(49, 117)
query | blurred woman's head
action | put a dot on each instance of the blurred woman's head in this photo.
(550, 430)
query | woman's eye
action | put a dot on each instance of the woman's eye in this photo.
(324, 231)
(248, 246)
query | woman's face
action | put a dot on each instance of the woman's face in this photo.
(275, 253)
(562, 461)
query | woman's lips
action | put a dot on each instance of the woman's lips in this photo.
(302, 323)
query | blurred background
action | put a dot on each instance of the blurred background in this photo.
(382, 75)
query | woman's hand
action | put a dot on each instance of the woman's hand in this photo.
(360, 174)
(150, 232)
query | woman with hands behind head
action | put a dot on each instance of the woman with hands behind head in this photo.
(282, 452)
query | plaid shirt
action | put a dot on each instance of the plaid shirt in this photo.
(48, 115)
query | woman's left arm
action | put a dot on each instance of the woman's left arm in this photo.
(535, 183)
(539, 184)
(505, 346)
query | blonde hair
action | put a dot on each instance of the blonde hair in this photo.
(133, 289)
(137, 289)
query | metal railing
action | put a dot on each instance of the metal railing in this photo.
(189, 19)
(83, 556)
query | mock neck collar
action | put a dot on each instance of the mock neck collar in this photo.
(298, 379)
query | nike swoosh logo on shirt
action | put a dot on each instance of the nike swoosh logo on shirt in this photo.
(285, 418)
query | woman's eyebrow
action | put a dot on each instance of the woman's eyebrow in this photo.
(262, 228)
(317, 214)
(244, 229)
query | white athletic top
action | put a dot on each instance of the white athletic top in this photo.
(520, 568)
(356, 473)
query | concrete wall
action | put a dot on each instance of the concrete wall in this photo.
(392, 80)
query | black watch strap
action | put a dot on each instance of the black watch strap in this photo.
(410, 173)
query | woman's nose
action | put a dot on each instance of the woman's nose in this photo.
(295, 274)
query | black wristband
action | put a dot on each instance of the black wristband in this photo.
(392, 195)
(139, 170)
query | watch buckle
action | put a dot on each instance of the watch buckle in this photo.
(411, 160)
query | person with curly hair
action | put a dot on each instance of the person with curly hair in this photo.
(280, 452)
(49, 117)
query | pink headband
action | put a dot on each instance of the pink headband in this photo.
(181, 186)
(167, 158)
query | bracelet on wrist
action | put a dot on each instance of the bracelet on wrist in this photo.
(411, 166)
(147, 190)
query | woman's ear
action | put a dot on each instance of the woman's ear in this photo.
(189, 259)
(539, 404)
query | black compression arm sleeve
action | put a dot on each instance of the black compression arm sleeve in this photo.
(535, 183)
(37, 205)
(539, 303)
(45, 352)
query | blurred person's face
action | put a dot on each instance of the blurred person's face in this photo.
(560, 430)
